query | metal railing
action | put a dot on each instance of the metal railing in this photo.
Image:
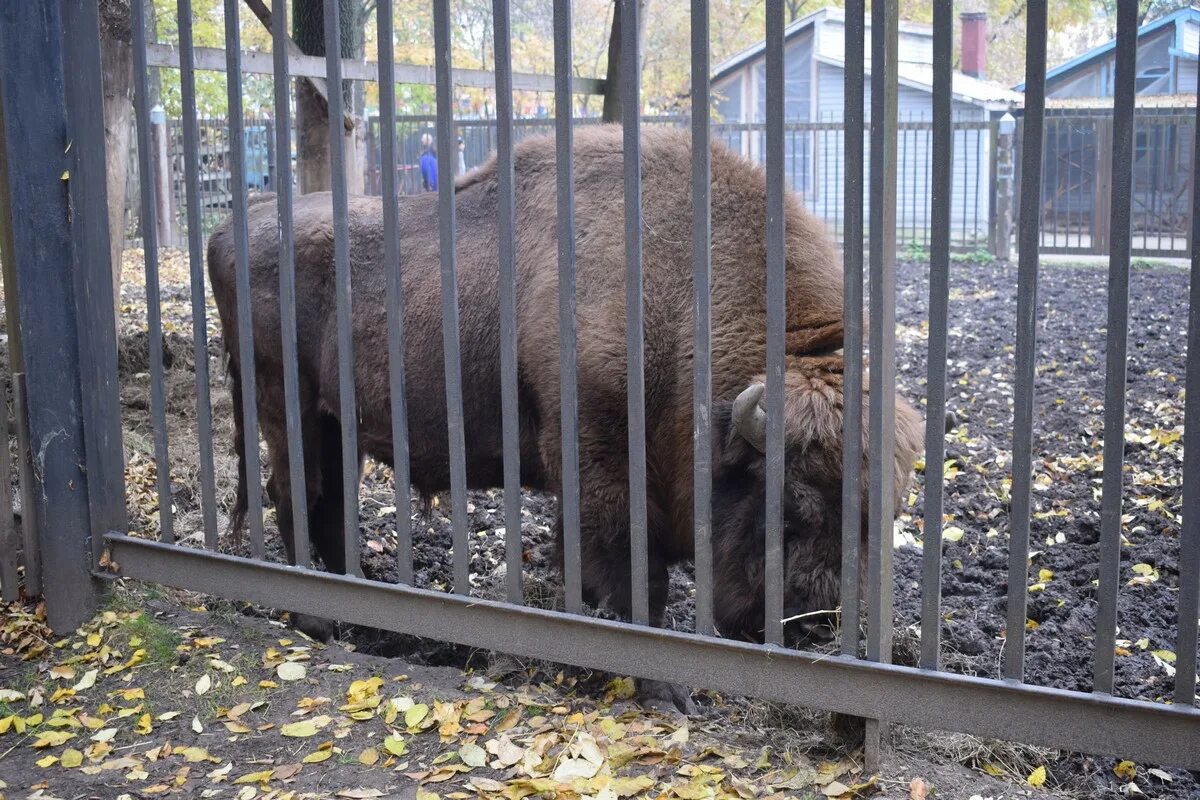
(70, 354)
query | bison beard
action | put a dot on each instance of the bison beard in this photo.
(814, 367)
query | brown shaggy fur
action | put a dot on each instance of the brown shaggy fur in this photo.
(814, 329)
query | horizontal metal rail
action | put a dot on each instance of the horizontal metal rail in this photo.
(1099, 724)
(213, 59)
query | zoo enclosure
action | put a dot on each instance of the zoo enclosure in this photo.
(56, 247)
(1076, 175)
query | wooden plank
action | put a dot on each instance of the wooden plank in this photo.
(302, 66)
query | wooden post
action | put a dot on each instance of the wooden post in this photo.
(1003, 224)
(164, 198)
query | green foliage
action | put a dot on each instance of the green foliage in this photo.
(977, 256)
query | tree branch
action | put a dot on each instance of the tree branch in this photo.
(319, 85)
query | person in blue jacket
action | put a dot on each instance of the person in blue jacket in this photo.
(429, 175)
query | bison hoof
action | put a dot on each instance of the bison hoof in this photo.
(316, 628)
(666, 698)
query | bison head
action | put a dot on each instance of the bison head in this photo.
(812, 498)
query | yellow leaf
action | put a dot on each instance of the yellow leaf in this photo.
(143, 726)
(1037, 778)
(240, 680)
(299, 730)
(46, 761)
(952, 534)
(992, 769)
(414, 715)
(395, 745)
(256, 777)
(93, 640)
(1165, 655)
(368, 757)
(317, 757)
(194, 755)
(203, 685)
(1126, 770)
(1045, 575)
(52, 739)
(71, 758)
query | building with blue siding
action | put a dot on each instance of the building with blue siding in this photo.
(814, 106)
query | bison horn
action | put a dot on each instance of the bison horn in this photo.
(749, 420)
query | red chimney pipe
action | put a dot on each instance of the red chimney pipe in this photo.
(974, 43)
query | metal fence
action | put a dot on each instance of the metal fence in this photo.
(1078, 178)
(58, 245)
(813, 167)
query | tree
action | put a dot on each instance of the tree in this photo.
(116, 63)
(312, 113)
(613, 75)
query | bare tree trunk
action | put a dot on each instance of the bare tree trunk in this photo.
(612, 79)
(312, 113)
(116, 33)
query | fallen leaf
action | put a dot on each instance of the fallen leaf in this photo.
(256, 777)
(952, 534)
(317, 757)
(299, 730)
(1037, 778)
(203, 685)
(1126, 770)
(472, 755)
(415, 715)
(918, 789)
(291, 671)
(395, 745)
(71, 758)
(87, 681)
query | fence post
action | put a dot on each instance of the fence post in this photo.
(1004, 186)
(52, 187)
(164, 197)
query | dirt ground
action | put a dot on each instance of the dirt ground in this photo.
(1062, 596)
(166, 694)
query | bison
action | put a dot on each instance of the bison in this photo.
(813, 383)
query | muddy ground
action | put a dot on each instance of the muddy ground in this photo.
(1069, 414)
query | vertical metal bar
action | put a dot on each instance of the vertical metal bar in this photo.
(241, 247)
(881, 500)
(939, 297)
(1117, 346)
(141, 105)
(975, 188)
(395, 289)
(1027, 275)
(634, 345)
(852, 314)
(567, 328)
(10, 589)
(287, 284)
(702, 318)
(508, 300)
(347, 406)
(776, 310)
(29, 514)
(1189, 544)
(450, 335)
(191, 169)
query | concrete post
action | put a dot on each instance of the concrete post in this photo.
(1004, 187)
